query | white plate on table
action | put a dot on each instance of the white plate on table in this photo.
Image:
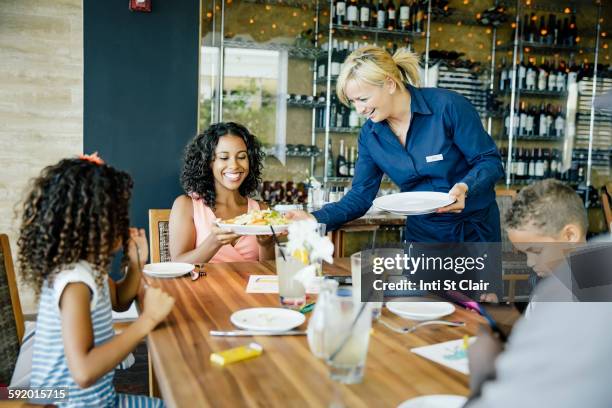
(421, 310)
(413, 202)
(267, 318)
(435, 401)
(253, 229)
(168, 269)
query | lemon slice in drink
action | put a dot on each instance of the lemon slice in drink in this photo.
(301, 255)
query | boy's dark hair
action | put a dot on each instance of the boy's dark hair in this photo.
(76, 210)
(547, 205)
(197, 176)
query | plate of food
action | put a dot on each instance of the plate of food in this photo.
(256, 222)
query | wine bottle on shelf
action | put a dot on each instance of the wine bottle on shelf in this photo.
(573, 31)
(542, 75)
(373, 14)
(521, 170)
(335, 60)
(346, 113)
(553, 32)
(539, 164)
(364, 13)
(503, 75)
(554, 164)
(525, 28)
(543, 31)
(531, 165)
(404, 15)
(546, 163)
(559, 123)
(561, 77)
(572, 75)
(341, 165)
(523, 119)
(530, 76)
(542, 121)
(419, 16)
(352, 162)
(330, 160)
(533, 29)
(552, 78)
(352, 13)
(381, 15)
(333, 110)
(550, 121)
(565, 33)
(391, 16)
(341, 12)
(529, 127)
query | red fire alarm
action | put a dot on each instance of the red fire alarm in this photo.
(140, 5)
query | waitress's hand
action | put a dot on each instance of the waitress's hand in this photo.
(458, 192)
(299, 215)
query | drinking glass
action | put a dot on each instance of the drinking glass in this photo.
(356, 273)
(291, 292)
(347, 337)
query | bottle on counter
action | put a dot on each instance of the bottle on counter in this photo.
(381, 15)
(341, 164)
(341, 12)
(391, 16)
(364, 13)
(330, 161)
(404, 16)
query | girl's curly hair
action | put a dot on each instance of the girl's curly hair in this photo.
(76, 210)
(197, 176)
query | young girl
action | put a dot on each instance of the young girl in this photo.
(222, 167)
(74, 218)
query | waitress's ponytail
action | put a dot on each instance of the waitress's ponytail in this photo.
(408, 64)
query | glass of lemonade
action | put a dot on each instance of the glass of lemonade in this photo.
(347, 365)
(291, 292)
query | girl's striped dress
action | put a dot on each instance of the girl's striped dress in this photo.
(49, 367)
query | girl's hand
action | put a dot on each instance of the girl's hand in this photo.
(138, 248)
(157, 305)
(265, 240)
(458, 192)
(299, 215)
(222, 237)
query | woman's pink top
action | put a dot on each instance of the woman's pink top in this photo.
(245, 249)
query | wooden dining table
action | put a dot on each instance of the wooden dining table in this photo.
(287, 374)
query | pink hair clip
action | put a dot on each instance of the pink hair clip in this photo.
(93, 158)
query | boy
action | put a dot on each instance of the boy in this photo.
(560, 339)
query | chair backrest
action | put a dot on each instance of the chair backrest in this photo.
(11, 316)
(160, 235)
(606, 205)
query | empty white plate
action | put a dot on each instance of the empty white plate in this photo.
(267, 318)
(435, 401)
(413, 202)
(253, 229)
(167, 269)
(421, 310)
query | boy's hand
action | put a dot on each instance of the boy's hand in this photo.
(157, 305)
(138, 248)
(299, 215)
(481, 357)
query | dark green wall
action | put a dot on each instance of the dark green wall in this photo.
(141, 92)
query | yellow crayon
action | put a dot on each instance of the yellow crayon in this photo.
(236, 354)
(466, 343)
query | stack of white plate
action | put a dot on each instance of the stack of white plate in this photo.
(166, 270)
(421, 310)
(413, 203)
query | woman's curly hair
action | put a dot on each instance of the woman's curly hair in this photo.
(197, 177)
(76, 210)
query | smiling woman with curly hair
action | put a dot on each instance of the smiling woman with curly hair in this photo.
(222, 167)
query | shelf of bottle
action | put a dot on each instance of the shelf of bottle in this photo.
(540, 48)
(536, 93)
(349, 130)
(542, 6)
(532, 138)
(309, 53)
(377, 31)
(349, 179)
(305, 104)
(303, 4)
(323, 81)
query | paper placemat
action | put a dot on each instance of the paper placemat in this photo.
(269, 284)
(450, 354)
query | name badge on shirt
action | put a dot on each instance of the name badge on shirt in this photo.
(434, 158)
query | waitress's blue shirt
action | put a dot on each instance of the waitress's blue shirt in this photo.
(446, 144)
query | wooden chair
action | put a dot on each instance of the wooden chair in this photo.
(160, 235)
(605, 204)
(11, 317)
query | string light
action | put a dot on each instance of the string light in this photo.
(604, 34)
(295, 14)
(466, 2)
(274, 26)
(459, 23)
(470, 35)
(440, 28)
(452, 39)
(567, 10)
(605, 46)
(481, 46)
(251, 20)
(488, 31)
(209, 15)
(498, 42)
(268, 7)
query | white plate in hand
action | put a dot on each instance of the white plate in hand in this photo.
(168, 269)
(413, 202)
(267, 318)
(253, 229)
(435, 401)
(421, 310)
